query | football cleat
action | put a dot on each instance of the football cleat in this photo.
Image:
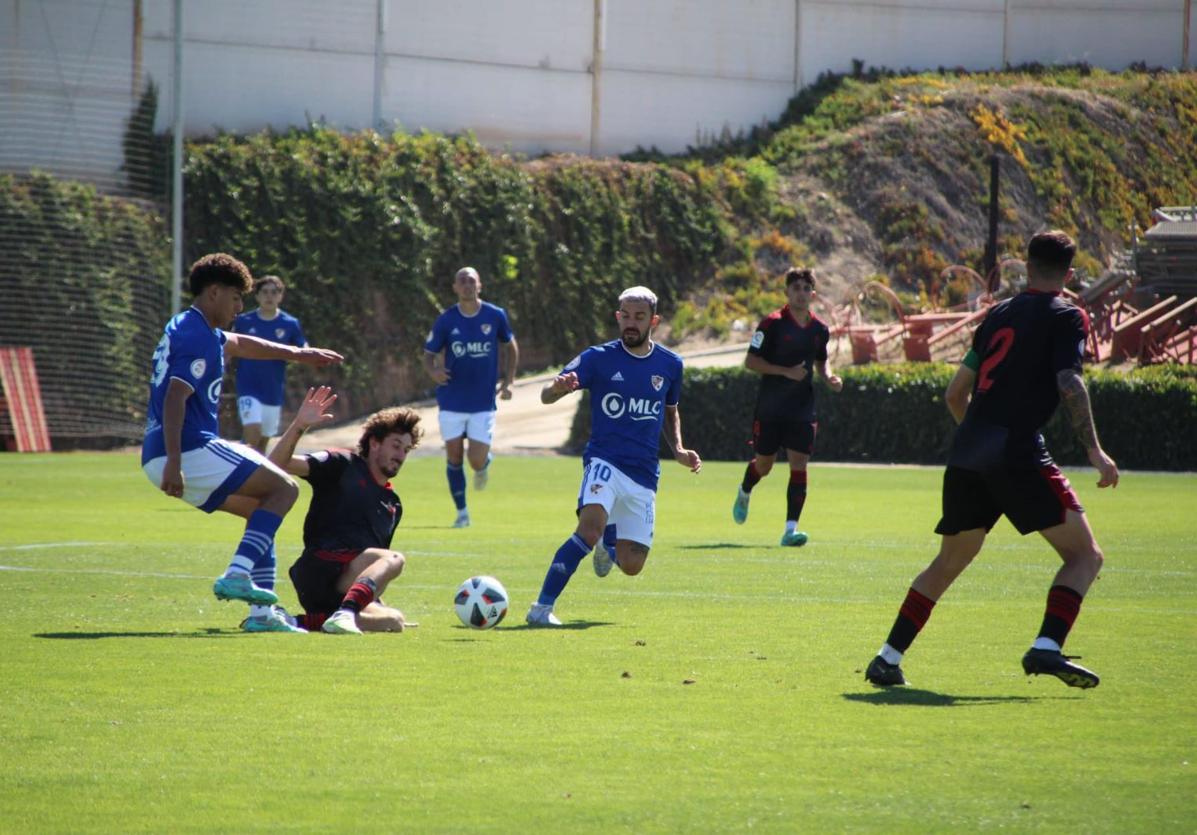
(463, 519)
(541, 615)
(794, 538)
(604, 558)
(883, 674)
(241, 587)
(341, 622)
(1052, 663)
(740, 508)
(277, 621)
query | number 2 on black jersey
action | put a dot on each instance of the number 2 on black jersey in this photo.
(999, 345)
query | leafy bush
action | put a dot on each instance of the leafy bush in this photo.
(369, 230)
(896, 414)
(83, 278)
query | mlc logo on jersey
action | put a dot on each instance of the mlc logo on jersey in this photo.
(638, 408)
(474, 349)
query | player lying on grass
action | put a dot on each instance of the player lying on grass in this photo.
(1025, 359)
(347, 561)
(183, 453)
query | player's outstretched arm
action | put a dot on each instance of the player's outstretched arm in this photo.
(561, 385)
(314, 411)
(1075, 398)
(244, 346)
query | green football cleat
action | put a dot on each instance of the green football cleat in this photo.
(740, 508)
(241, 587)
(794, 538)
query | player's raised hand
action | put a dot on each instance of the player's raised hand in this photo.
(319, 357)
(688, 458)
(314, 410)
(1107, 470)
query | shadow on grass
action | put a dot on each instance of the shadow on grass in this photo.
(571, 624)
(929, 698)
(95, 636)
(715, 546)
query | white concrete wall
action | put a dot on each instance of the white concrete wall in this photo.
(66, 87)
(521, 74)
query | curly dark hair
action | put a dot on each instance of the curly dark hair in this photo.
(219, 268)
(396, 420)
(800, 274)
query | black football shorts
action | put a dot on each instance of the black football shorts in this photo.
(768, 436)
(1032, 499)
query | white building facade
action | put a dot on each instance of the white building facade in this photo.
(595, 77)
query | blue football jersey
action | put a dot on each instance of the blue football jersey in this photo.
(628, 396)
(471, 346)
(264, 379)
(190, 350)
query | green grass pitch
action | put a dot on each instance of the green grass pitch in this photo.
(129, 702)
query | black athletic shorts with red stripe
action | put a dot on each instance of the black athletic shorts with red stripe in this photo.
(768, 436)
(1032, 499)
(315, 575)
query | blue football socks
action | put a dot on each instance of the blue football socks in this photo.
(457, 484)
(565, 563)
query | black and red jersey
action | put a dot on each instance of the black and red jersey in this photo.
(781, 340)
(350, 511)
(1021, 345)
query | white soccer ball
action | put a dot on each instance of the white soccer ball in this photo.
(481, 602)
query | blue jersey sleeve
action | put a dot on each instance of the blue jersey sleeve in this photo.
(297, 334)
(435, 342)
(583, 366)
(187, 358)
(675, 386)
(505, 333)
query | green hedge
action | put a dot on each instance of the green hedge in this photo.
(895, 414)
(369, 230)
(83, 278)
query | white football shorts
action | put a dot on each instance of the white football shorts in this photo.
(477, 426)
(211, 473)
(631, 507)
(252, 410)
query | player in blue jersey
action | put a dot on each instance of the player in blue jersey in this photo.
(462, 354)
(1025, 359)
(260, 383)
(635, 385)
(182, 452)
(789, 346)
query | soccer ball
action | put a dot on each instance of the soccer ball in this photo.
(481, 602)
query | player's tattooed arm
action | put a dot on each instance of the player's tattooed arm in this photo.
(1080, 414)
(1076, 401)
